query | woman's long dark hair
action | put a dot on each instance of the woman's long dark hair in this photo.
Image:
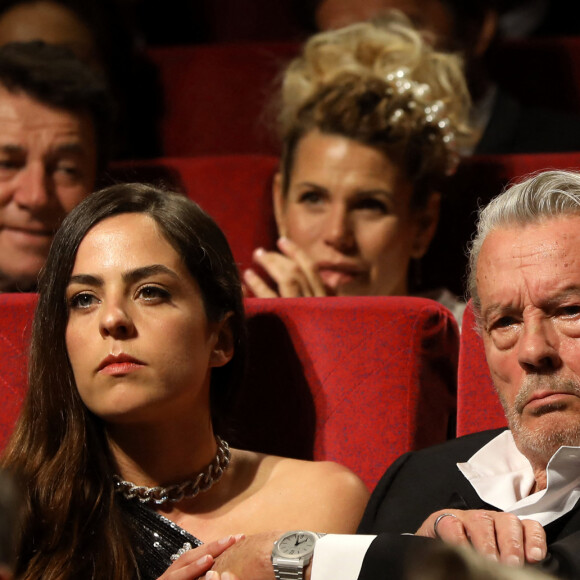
(58, 451)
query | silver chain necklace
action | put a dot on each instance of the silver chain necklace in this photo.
(179, 491)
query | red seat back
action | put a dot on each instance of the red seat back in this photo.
(236, 190)
(256, 20)
(478, 406)
(354, 380)
(217, 96)
(16, 312)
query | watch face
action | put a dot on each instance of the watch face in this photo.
(296, 544)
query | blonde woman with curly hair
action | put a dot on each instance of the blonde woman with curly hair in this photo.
(371, 118)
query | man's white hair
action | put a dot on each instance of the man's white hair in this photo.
(539, 196)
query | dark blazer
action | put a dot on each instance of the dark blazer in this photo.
(422, 482)
(516, 128)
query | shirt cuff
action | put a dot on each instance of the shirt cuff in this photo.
(339, 556)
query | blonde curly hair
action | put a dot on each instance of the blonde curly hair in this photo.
(379, 83)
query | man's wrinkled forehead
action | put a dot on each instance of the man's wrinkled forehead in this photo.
(545, 254)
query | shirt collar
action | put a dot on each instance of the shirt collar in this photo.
(503, 477)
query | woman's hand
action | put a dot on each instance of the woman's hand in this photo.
(195, 563)
(212, 575)
(293, 272)
(497, 535)
(250, 559)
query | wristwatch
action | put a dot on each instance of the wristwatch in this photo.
(292, 553)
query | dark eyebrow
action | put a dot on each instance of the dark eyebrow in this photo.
(566, 293)
(363, 193)
(86, 280)
(359, 193)
(146, 271)
(70, 147)
(311, 184)
(497, 309)
(128, 277)
(11, 149)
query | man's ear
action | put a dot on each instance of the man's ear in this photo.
(223, 349)
(279, 204)
(426, 225)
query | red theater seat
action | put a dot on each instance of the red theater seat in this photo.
(253, 20)
(354, 380)
(16, 311)
(216, 96)
(478, 406)
(234, 189)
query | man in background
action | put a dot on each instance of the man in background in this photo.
(55, 122)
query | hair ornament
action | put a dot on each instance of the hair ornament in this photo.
(396, 116)
(379, 82)
(433, 114)
(398, 74)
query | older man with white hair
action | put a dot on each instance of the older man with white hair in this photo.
(511, 494)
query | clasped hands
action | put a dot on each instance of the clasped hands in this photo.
(231, 558)
(500, 536)
(292, 270)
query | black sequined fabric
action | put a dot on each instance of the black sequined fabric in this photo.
(154, 538)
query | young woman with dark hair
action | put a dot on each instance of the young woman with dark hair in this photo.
(137, 342)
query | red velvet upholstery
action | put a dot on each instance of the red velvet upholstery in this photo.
(478, 405)
(256, 20)
(16, 311)
(216, 96)
(355, 380)
(236, 190)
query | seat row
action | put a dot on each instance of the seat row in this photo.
(355, 380)
(236, 191)
(217, 95)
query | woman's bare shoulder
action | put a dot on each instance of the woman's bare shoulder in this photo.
(333, 473)
(274, 466)
(332, 495)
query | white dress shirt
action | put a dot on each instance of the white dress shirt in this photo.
(500, 475)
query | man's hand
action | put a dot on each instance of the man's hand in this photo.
(250, 558)
(497, 535)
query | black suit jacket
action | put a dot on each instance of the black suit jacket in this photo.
(420, 483)
(516, 128)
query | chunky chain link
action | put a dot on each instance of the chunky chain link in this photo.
(177, 492)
